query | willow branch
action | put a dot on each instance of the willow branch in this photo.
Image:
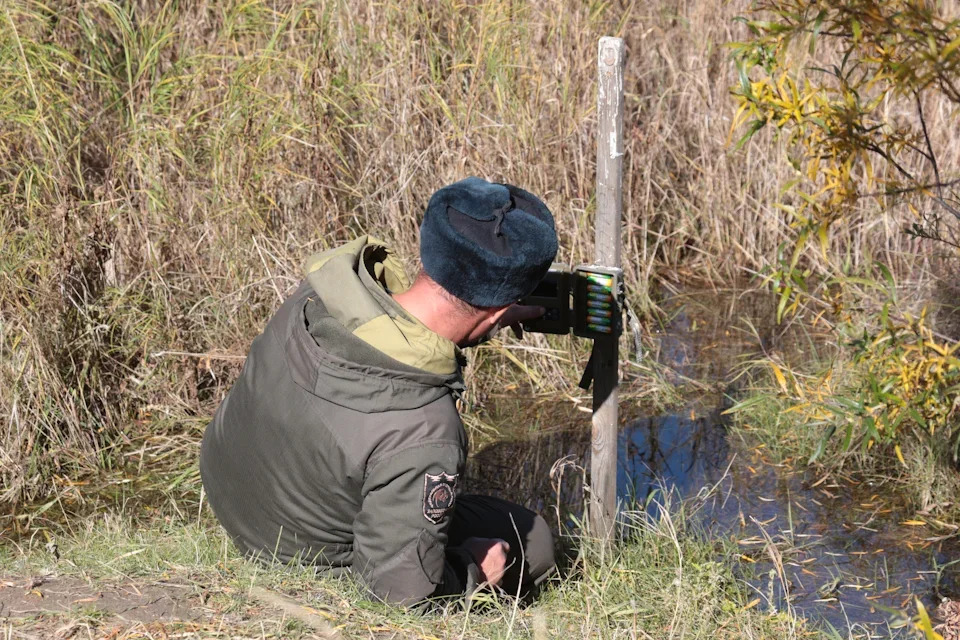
(886, 156)
(926, 137)
(919, 187)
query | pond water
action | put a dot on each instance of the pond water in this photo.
(834, 552)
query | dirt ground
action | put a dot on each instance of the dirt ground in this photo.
(128, 601)
(65, 607)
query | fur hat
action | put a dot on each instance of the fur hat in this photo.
(487, 244)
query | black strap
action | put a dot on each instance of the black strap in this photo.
(587, 377)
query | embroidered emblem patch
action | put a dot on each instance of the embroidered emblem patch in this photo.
(439, 494)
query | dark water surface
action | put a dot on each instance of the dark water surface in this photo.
(833, 552)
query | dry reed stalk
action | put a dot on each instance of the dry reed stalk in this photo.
(165, 168)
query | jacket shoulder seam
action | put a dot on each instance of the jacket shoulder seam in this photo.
(376, 460)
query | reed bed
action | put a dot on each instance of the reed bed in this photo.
(166, 167)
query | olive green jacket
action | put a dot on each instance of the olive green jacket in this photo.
(340, 444)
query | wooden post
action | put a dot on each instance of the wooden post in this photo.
(603, 461)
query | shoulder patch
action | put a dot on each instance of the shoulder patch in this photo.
(439, 495)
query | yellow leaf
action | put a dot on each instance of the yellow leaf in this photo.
(751, 604)
(923, 623)
(900, 455)
(950, 48)
(914, 523)
(942, 350)
(778, 374)
(318, 612)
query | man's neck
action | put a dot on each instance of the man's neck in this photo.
(434, 311)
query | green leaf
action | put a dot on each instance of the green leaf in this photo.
(855, 27)
(744, 404)
(837, 411)
(848, 437)
(891, 399)
(852, 405)
(784, 298)
(753, 127)
(887, 276)
(769, 27)
(745, 87)
(822, 445)
(818, 23)
(872, 432)
(790, 184)
(950, 48)
(832, 632)
(919, 419)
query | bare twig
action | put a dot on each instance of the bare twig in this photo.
(886, 156)
(190, 354)
(926, 137)
(918, 187)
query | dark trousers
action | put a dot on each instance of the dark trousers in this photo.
(531, 557)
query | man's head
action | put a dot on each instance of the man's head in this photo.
(488, 244)
(484, 247)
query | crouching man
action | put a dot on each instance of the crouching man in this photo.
(340, 444)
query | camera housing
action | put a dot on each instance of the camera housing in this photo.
(553, 294)
(597, 302)
(587, 300)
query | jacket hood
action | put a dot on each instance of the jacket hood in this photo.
(372, 355)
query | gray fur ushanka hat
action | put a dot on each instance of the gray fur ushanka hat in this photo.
(487, 244)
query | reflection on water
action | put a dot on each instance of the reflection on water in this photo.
(844, 549)
(688, 449)
(844, 552)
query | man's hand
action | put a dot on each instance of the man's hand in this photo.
(491, 555)
(517, 313)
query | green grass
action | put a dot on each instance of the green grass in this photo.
(664, 581)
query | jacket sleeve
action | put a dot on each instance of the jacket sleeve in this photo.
(400, 534)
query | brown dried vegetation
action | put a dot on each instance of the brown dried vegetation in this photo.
(165, 168)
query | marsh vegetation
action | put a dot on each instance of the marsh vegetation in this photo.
(166, 167)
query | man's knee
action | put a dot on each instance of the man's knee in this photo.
(539, 550)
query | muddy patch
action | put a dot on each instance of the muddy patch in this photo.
(67, 607)
(125, 600)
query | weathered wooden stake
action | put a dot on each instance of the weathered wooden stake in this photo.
(603, 465)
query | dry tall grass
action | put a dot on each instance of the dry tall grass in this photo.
(165, 167)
